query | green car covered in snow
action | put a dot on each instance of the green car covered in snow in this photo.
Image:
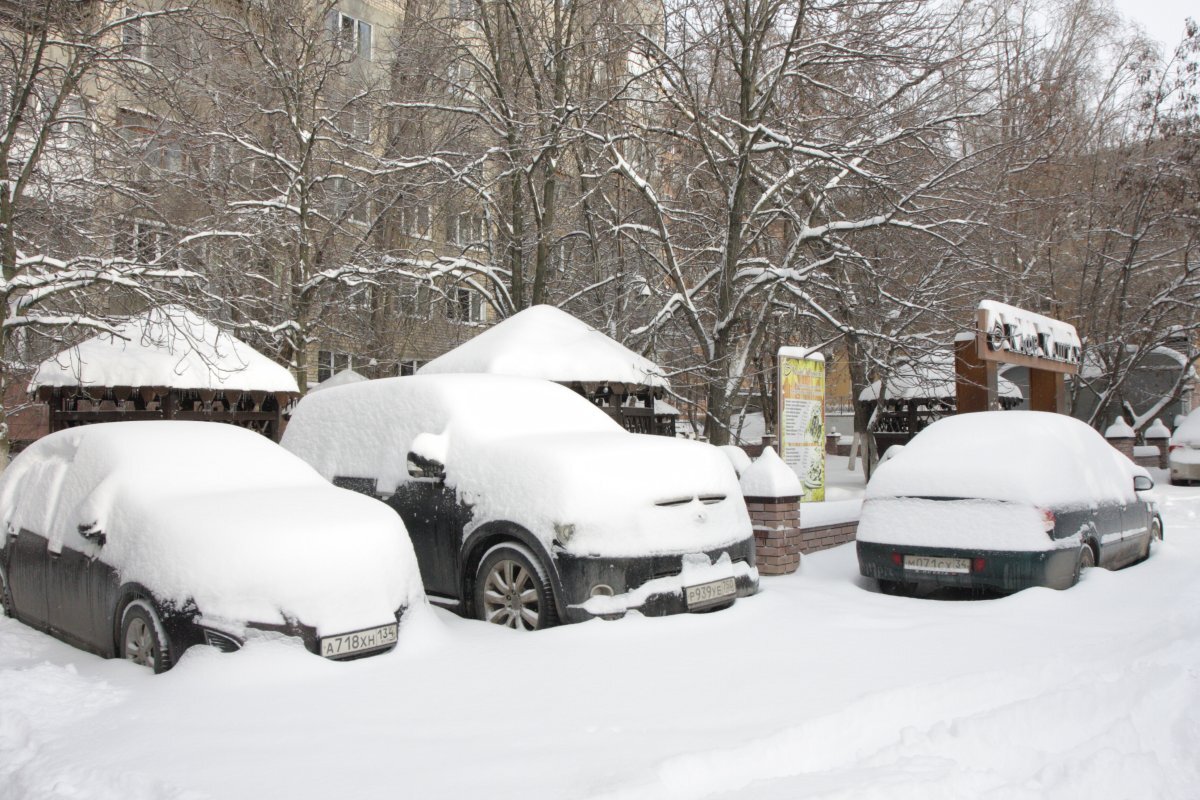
(1004, 500)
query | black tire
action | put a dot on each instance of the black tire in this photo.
(1083, 562)
(142, 640)
(511, 589)
(897, 588)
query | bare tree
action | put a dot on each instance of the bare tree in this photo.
(788, 132)
(67, 177)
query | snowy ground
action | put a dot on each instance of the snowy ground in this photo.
(817, 688)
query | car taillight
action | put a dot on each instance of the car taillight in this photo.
(1047, 520)
(978, 564)
(897, 559)
(1171, 448)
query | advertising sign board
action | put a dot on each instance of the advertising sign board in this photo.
(802, 418)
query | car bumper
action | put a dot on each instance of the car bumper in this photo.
(652, 585)
(1184, 471)
(999, 570)
(230, 638)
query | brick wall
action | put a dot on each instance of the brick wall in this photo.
(814, 539)
(780, 541)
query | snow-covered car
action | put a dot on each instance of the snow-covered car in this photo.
(527, 505)
(1184, 450)
(1004, 500)
(139, 540)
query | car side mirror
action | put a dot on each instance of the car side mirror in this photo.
(1142, 484)
(425, 469)
(92, 533)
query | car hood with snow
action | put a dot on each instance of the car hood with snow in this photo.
(217, 516)
(605, 494)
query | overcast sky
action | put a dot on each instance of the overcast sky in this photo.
(1162, 19)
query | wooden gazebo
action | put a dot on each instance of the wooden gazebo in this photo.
(919, 392)
(548, 343)
(167, 363)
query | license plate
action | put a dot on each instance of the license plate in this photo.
(957, 566)
(710, 594)
(359, 641)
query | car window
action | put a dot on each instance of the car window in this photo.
(31, 495)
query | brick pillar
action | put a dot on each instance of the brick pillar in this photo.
(777, 538)
(1159, 435)
(1122, 437)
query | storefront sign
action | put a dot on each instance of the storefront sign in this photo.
(802, 418)
(1015, 336)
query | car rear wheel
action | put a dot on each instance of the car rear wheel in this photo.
(142, 638)
(511, 589)
(1085, 561)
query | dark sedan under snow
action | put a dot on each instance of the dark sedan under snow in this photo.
(139, 540)
(1004, 500)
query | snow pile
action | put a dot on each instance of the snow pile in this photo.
(168, 347)
(830, 512)
(1034, 457)
(346, 376)
(768, 476)
(1158, 430)
(545, 342)
(737, 457)
(1187, 432)
(1088, 693)
(1119, 430)
(219, 515)
(530, 452)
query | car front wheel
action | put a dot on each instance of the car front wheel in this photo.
(511, 590)
(142, 638)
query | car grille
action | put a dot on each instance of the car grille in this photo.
(707, 499)
(226, 644)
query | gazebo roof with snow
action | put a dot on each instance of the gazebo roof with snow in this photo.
(930, 377)
(169, 347)
(166, 363)
(546, 342)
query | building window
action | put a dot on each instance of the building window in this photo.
(353, 34)
(344, 202)
(463, 305)
(465, 229)
(147, 242)
(133, 34)
(415, 221)
(331, 362)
